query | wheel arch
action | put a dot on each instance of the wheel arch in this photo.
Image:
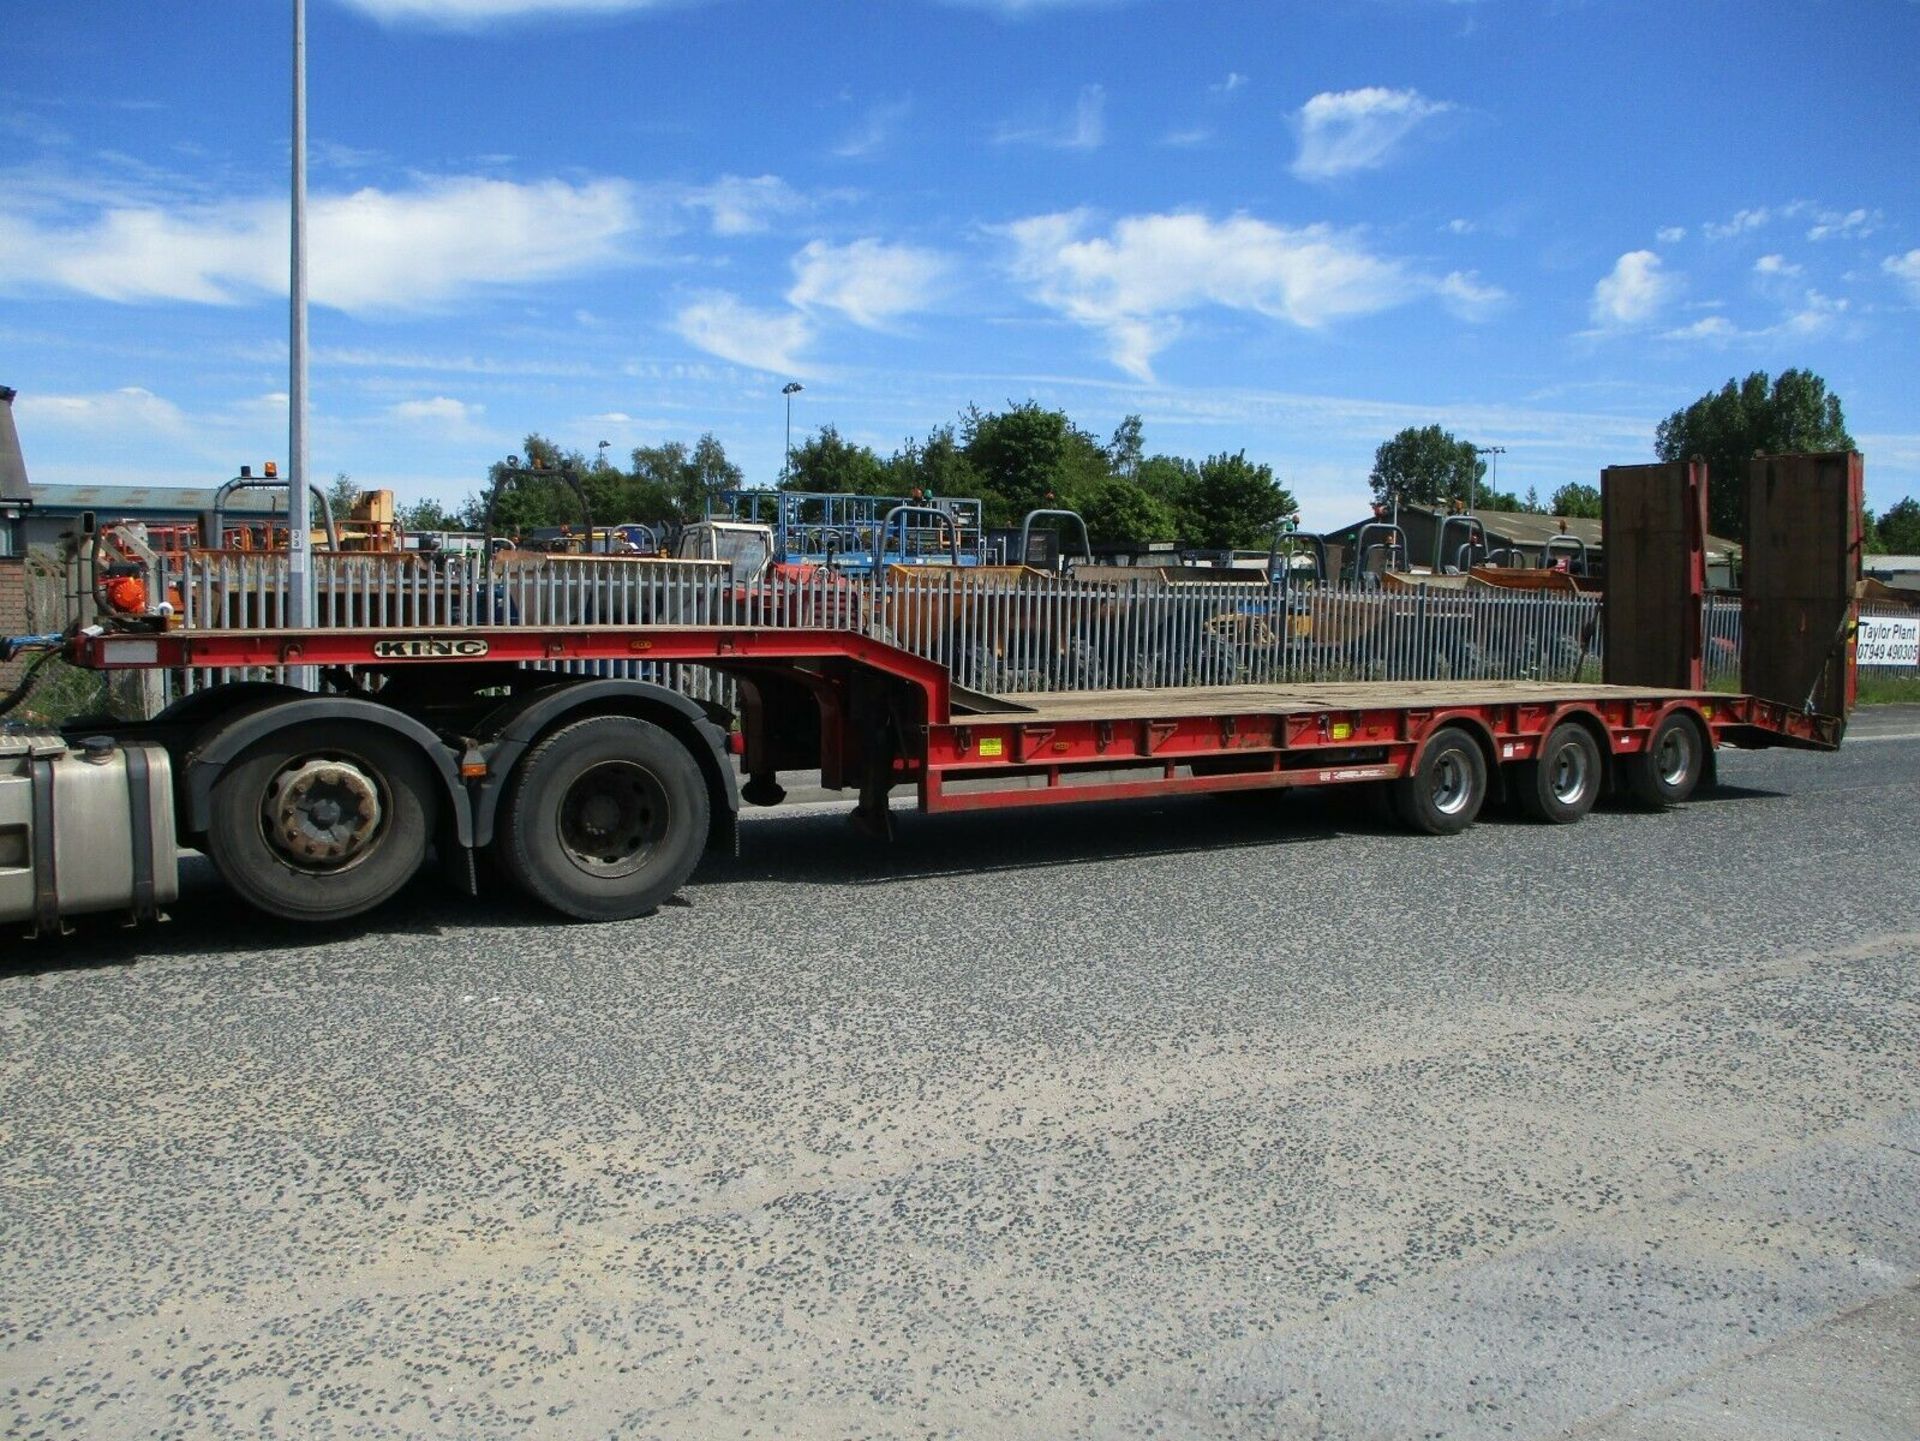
(1703, 728)
(518, 727)
(232, 734)
(1474, 725)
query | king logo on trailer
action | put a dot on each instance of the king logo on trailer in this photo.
(429, 648)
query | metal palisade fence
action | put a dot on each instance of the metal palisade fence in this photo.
(999, 629)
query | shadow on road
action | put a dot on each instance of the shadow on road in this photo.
(819, 849)
(813, 848)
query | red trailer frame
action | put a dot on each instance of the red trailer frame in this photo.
(1193, 740)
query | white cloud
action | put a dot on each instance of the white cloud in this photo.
(875, 130)
(1775, 265)
(1135, 284)
(1808, 313)
(1817, 314)
(1235, 81)
(1085, 130)
(1357, 129)
(130, 408)
(1840, 225)
(1906, 270)
(440, 411)
(722, 325)
(1743, 221)
(1186, 139)
(1708, 327)
(1633, 293)
(869, 282)
(1671, 234)
(371, 250)
(742, 205)
(1468, 297)
(1827, 224)
(1461, 227)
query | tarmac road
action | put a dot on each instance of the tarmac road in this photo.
(1203, 1119)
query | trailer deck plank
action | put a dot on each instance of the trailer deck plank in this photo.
(1044, 706)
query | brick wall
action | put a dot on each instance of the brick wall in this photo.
(13, 610)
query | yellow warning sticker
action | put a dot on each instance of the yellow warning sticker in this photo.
(992, 746)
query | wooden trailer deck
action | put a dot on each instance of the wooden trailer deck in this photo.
(1042, 707)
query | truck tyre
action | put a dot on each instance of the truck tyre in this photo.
(1562, 782)
(322, 821)
(606, 818)
(1665, 773)
(1447, 786)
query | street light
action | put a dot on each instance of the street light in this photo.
(1496, 451)
(790, 389)
(603, 453)
(299, 501)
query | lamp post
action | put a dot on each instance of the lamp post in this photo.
(299, 505)
(1496, 451)
(790, 389)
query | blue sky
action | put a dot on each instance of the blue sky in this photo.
(1291, 228)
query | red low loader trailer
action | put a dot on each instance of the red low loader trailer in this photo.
(598, 796)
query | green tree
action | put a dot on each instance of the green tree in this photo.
(1232, 504)
(668, 484)
(1119, 511)
(1756, 416)
(827, 461)
(1166, 477)
(1029, 458)
(535, 496)
(1898, 531)
(1425, 465)
(427, 515)
(1531, 505)
(1127, 449)
(1575, 499)
(937, 465)
(343, 495)
(672, 483)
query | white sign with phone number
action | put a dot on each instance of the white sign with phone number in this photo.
(1888, 642)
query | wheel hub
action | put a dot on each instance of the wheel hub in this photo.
(1569, 774)
(1675, 756)
(1451, 785)
(612, 817)
(322, 813)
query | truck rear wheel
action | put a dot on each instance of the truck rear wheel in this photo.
(1665, 773)
(606, 818)
(1560, 784)
(320, 822)
(1447, 786)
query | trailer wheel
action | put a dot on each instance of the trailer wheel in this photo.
(1447, 786)
(606, 818)
(1561, 784)
(320, 822)
(1665, 773)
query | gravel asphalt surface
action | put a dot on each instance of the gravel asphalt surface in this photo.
(1250, 1118)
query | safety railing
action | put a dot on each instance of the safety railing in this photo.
(998, 629)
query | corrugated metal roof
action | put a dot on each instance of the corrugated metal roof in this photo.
(1527, 529)
(184, 501)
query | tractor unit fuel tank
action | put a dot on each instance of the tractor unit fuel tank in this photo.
(83, 829)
